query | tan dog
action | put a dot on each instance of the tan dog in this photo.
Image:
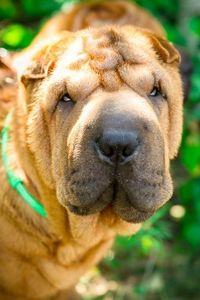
(97, 119)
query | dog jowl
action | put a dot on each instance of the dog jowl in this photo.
(109, 103)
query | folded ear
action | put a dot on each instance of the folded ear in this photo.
(43, 58)
(42, 63)
(165, 49)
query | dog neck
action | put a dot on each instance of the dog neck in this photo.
(18, 173)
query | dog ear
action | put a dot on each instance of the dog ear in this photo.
(43, 58)
(165, 49)
(41, 65)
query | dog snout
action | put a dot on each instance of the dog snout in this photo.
(115, 146)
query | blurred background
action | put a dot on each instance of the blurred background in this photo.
(163, 260)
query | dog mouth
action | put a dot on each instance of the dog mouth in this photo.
(116, 200)
(124, 208)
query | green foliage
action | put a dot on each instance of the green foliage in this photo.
(16, 36)
(8, 9)
(161, 261)
(38, 8)
(194, 25)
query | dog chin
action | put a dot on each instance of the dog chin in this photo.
(121, 208)
(130, 215)
(116, 200)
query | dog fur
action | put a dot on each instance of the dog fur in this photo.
(107, 63)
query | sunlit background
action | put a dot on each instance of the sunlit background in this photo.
(163, 260)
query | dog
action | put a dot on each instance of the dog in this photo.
(96, 119)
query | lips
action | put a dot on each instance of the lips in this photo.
(96, 206)
(125, 209)
(129, 213)
(117, 200)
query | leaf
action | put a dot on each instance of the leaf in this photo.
(40, 8)
(196, 112)
(148, 243)
(7, 10)
(195, 87)
(174, 35)
(16, 36)
(194, 24)
(190, 155)
(191, 234)
(185, 191)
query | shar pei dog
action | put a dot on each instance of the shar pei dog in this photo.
(86, 148)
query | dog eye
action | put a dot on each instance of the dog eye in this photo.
(66, 98)
(156, 93)
(65, 103)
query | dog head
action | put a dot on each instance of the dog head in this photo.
(104, 118)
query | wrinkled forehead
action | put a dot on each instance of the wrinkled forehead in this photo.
(108, 58)
(106, 49)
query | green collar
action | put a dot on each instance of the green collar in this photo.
(15, 182)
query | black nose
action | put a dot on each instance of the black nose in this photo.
(117, 146)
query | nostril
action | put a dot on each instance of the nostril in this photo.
(116, 146)
(109, 151)
(130, 148)
(106, 149)
(127, 151)
(105, 152)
